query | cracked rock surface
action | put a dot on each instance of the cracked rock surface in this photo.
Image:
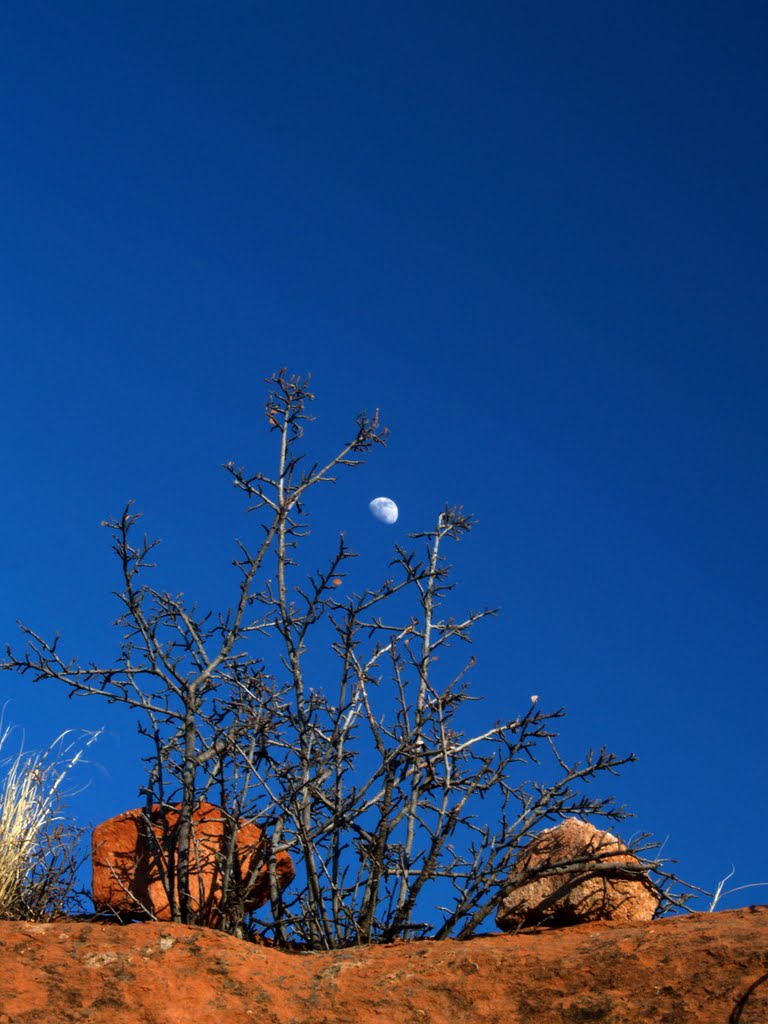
(692, 969)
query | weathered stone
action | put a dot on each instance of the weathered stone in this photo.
(126, 878)
(580, 894)
(694, 969)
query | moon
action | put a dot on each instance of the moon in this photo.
(385, 510)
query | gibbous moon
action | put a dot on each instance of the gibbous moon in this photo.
(384, 509)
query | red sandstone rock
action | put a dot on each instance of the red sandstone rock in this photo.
(694, 969)
(126, 879)
(576, 897)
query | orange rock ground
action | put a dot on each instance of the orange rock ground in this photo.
(695, 969)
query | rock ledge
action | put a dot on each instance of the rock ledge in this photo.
(693, 969)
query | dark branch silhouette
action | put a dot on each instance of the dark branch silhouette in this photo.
(334, 721)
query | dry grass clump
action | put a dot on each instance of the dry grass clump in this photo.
(38, 843)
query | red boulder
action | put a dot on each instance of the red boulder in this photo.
(126, 878)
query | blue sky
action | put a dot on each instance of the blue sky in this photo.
(533, 235)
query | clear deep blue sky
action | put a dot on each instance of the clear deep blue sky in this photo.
(533, 235)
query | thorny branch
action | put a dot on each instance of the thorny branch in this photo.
(357, 763)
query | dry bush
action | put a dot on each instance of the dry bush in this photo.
(38, 843)
(334, 714)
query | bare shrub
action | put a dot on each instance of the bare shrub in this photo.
(334, 715)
